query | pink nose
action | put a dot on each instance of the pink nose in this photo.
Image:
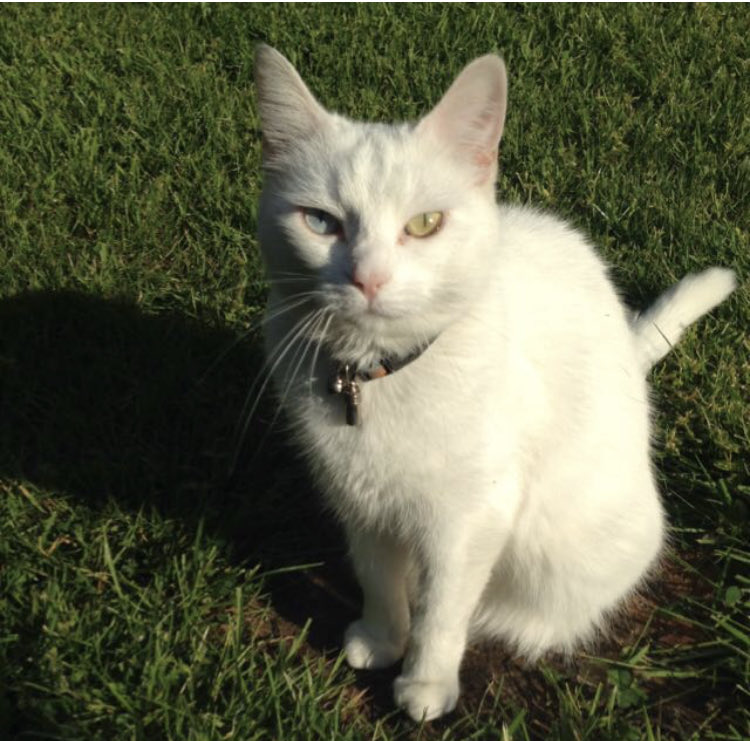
(369, 282)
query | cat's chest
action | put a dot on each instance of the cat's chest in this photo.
(401, 427)
(418, 440)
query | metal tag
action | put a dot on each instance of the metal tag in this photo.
(344, 382)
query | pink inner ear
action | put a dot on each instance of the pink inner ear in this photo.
(469, 118)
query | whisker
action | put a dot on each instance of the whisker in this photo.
(288, 281)
(293, 373)
(293, 273)
(290, 278)
(287, 305)
(279, 406)
(316, 354)
(293, 302)
(299, 355)
(277, 356)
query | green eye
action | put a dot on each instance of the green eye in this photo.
(423, 225)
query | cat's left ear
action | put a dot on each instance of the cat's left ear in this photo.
(289, 112)
(470, 116)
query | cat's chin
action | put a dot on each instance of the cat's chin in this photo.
(370, 337)
(375, 312)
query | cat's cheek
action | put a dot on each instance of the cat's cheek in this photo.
(314, 253)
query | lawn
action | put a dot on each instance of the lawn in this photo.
(165, 570)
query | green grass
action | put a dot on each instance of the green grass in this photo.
(144, 592)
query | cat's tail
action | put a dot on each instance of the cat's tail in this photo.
(659, 328)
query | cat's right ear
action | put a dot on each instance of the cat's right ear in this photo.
(469, 118)
(289, 112)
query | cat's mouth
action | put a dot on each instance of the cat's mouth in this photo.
(365, 315)
(384, 307)
(364, 331)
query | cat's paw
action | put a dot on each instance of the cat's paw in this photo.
(425, 700)
(366, 651)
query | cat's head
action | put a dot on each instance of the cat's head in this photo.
(387, 227)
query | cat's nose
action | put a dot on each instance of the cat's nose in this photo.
(369, 282)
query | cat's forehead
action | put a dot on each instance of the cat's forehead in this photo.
(382, 167)
(370, 171)
(372, 162)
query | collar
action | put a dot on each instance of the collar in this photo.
(347, 377)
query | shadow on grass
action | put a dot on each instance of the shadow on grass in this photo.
(103, 402)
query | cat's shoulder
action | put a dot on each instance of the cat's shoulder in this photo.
(532, 221)
(544, 244)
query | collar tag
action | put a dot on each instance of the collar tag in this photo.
(344, 382)
(347, 377)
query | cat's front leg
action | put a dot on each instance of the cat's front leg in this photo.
(456, 570)
(378, 638)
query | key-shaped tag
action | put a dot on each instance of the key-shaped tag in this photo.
(351, 394)
(345, 382)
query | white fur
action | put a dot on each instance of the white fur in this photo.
(500, 485)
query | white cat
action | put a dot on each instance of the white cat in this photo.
(486, 444)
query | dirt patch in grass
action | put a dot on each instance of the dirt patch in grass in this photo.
(644, 659)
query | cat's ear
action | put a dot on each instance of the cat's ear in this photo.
(288, 111)
(470, 116)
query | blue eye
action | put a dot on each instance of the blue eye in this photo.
(321, 222)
